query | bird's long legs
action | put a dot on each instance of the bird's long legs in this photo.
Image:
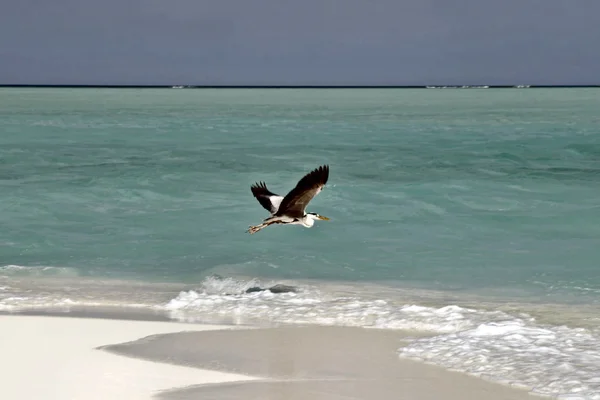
(255, 228)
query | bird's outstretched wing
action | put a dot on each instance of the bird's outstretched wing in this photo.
(309, 186)
(269, 200)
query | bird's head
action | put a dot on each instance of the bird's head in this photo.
(317, 216)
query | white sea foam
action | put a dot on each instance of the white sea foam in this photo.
(548, 360)
(228, 298)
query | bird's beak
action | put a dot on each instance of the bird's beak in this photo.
(323, 218)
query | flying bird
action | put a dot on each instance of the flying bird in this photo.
(291, 208)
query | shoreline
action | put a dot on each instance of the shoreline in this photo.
(101, 357)
(546, 348)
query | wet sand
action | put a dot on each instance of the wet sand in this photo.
(320, 363)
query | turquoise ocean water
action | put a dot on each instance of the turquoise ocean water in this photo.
(471, 214)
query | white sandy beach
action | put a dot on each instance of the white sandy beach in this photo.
(46, 357)
(56, 358)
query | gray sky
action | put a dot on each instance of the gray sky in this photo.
(305, 42)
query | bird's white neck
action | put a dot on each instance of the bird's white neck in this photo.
(309, 220)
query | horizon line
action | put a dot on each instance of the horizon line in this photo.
(466, 86)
